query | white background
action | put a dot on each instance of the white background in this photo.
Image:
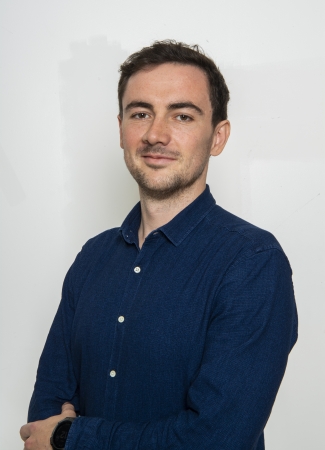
(62, 176)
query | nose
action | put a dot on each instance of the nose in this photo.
(157, 133)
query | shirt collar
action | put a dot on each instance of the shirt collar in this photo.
(179, 227)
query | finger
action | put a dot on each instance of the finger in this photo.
(25, 432)
(67, 407)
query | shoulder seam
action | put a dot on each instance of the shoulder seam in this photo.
(252, 252)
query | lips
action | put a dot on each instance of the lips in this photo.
(155, 156)
(157, 160)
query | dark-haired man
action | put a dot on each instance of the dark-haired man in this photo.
(174, 330)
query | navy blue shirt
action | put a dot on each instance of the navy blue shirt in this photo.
(180, 345)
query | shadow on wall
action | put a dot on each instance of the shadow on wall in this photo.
(276, 111)
(98, 188)
(9, 182)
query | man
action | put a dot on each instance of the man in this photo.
(174, 330)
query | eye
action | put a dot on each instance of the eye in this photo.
(184, 118)
(140, 115)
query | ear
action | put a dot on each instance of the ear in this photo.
(119, 118)
(220, 137)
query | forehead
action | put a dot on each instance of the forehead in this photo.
(167, 83)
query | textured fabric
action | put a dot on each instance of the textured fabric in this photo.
(179, 345)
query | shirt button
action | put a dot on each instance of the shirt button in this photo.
(137, 270)
(112, 373)
(121, 319)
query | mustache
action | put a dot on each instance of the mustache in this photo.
(157, 150)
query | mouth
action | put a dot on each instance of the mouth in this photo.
(158, 159)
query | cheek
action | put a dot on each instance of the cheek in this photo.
(130, 136)
(192, 136)
(200, 151)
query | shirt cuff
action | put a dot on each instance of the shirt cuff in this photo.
(89, 433)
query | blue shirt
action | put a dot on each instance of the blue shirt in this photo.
(180, 345)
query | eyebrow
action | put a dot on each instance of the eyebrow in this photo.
(171, 106)
(181, 105)
(138, 104)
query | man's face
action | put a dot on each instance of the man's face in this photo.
(166, 130)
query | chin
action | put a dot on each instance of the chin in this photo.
(164, 189)
(163, 186)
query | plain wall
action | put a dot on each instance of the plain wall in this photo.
(63, 180)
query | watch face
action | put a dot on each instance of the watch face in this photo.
(61, 434)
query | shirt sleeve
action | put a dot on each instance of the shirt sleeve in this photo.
(252, 330)
(55, 381)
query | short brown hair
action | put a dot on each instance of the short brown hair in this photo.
(161, 52)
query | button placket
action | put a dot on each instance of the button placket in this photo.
(129, 296)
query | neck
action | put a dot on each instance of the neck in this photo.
(157, 212)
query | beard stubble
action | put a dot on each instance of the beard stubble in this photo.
(172, 184)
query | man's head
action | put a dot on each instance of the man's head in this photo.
(170, 51)
(172, 118)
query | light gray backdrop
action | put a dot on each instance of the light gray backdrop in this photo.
(63, 180)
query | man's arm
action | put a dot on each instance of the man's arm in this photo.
(251, 333)
(56, 383)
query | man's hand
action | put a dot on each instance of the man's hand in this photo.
(36, 435)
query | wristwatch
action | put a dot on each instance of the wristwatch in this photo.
(60, 433)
